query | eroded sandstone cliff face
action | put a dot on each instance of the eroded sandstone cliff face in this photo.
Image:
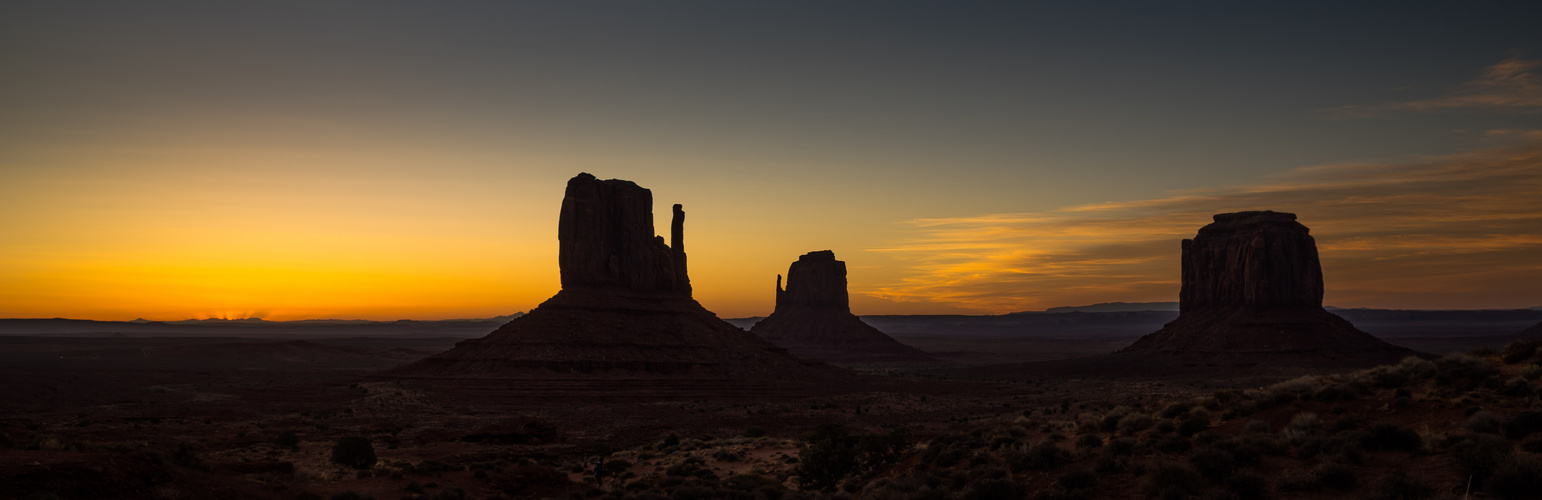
(816, 280)
(605, 238)
(1252, 284)
(624, 322)
(813, 318)
(1258, 260)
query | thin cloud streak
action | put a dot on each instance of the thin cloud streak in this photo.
(1456, 231)
(1510, 85)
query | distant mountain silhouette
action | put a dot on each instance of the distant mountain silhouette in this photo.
(1110, 307)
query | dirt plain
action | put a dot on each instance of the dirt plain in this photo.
(118, 416)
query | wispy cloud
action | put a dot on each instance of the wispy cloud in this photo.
(1511, 85)
(1461, 230)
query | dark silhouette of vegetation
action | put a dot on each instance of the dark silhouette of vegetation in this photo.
(355, 452)
(288, 439)
(830, 454)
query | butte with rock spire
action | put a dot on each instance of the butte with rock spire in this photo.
(624, 322)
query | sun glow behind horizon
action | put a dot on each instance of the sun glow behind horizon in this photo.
(407, 161)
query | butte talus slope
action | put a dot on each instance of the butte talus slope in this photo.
(1252, 290)
(624, 322)
(813, 318)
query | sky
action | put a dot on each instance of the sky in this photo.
(390, 160)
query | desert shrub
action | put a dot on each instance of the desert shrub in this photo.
(727, 455)
(1264, 444)
(1348, 423)
(1089, 442)
(1173, 410)
(1531, 372)
(1517, 388)
(1172, 480)
(754, 431)
(1463, 371)
(1304, 423)
(1523, 424)
(1079, 479)
(433, 467)
(354, 451)
(829, 454)
(1193, 422)
(672, 440)
(1387, 436)
(1399, 486)
(1164, 427)
(184, 456)
(1110, 420)
(617, 466)
(1241, 454)
(1256, 427)
(1239, 409)
(351, 495)
(1388, 377)
(288, 439)
(685, 468)
(1335, 475)
(1172, 444)
(1336, 392)
(451, 493)
(1301, 426)
(1042, 456)
(750, 482)
(1213, 463)
(1120, 446)
(1485, 422)
(1247, 485)
(1516, 477)
(1134, 423)
(1479, 456)
(1518, 352)
(1532, 444)
(992, 489)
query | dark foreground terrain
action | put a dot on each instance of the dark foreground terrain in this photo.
(221, 417)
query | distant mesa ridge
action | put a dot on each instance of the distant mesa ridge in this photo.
(813, 318)
(624, 321)
(1252, 283)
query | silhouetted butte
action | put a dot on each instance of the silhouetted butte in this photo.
(624, 321)
(1252, 287)
(813, 318)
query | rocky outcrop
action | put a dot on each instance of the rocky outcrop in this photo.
(624, 322)
(1252, 287)
(605, 238)
(1257, 260)
(816, 280)
(813, 318)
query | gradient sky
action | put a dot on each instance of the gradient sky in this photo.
(388, 160)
